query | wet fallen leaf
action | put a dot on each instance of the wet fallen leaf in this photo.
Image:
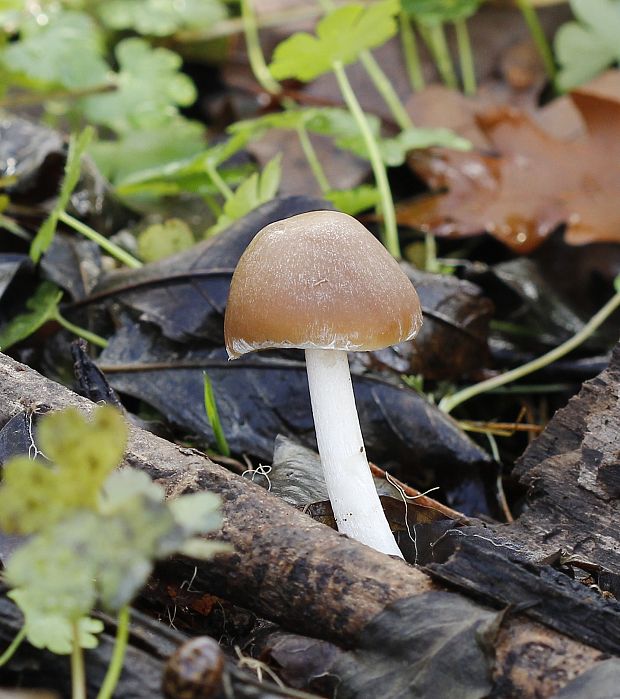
(530, 183)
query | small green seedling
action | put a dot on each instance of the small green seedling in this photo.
(257, 189)
(42, 307)
(213, 416)
(94, 534)
(45, 236)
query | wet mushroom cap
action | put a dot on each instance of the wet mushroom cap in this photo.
(319, 280)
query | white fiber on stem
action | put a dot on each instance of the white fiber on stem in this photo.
(351, 489)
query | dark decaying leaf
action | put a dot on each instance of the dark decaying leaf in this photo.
(267, 394)
(601, 681)
(547, 297)
(528, 182)
(89, 379)
(11, 264)
(35, 155)
(482, 564)
(72, 263)
(186, 293)
(434, 645)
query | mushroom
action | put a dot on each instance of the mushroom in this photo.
(320, 281)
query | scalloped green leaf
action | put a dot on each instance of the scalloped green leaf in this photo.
(47, 54)
(150, 88)
(587, 46)
(340, 37)
(160, 17)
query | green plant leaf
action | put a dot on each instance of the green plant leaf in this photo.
(341, 126)
(213, 415)
(289, 119)
(33, 495)
(160, 17)
(47, 575)
(125, 486)
(85, 451)
(203, 550)
(161, 240)
(197, 512)
(432, 12)
(77, 147)
(186, 175)
(354, 201)
(30, 496)
(145, 149)
(252, 192)
(587, 46)
(42, 306)
(394, 150)
(340, 36)
(150, 88)
(67, 51)
(94, 536)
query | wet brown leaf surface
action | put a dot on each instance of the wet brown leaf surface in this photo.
(525, 182)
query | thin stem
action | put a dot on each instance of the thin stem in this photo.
(356, 505)
(448, 403)
(380, 81)
(255, 52)
(118, 655)
(430, 250)
(466, 57)
(499, 484)
(81, 332)
(390, 232)
(410, 52)
(441, 54)
(13, 646)
(312, 158)
(31, 98)
(385, 89)
(538, 35)
(78, 675)
(218, 181)
(111, 248)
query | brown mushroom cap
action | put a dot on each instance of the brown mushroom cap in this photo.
(318, 280)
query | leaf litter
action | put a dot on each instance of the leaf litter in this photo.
(522, 182)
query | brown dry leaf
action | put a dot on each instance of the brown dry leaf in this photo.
(528, 182)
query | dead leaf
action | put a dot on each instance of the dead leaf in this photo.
(530, 182)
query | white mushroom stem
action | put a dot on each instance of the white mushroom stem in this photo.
(351, 489)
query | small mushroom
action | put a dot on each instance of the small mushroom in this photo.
(321, 282)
